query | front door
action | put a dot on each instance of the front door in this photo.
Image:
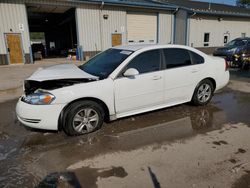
(14, 48)
(142, 91)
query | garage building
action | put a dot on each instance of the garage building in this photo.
(211, 25)
(85, 26)
(59, 28)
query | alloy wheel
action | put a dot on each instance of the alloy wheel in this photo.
(204, 93)
(85, 120)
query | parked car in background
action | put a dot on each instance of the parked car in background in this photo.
(242, 58)
(119, 82)
(231, 48)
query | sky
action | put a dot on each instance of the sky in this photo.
(229, 2)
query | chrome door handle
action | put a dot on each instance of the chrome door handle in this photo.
(156, 77)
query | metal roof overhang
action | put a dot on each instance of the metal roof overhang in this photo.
(129, 3)
(219, 13)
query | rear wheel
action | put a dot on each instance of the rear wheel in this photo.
(203, 93)
(83, 117)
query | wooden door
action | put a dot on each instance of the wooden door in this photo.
(116, 39)
(14, 47)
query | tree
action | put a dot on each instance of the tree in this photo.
(243, 3)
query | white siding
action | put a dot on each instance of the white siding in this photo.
(165, 28)
(116, 23)
(94, 32)
(88, 27)
(180, 27)
(217, 29)
(11, 15)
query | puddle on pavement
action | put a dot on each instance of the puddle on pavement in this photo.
(89, 177)
(20, 149)
(243, 181)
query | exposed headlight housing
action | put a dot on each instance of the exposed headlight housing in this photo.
(39, 98)
(236, 55)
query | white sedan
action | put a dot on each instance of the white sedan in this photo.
(119, 82)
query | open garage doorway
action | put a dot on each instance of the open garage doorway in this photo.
(52, 31)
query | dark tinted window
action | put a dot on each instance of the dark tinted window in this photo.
(146, 62)
(196, 59)
(176, 57)
(236, 42)
(206, 37)
(225, 39)
(106, 62)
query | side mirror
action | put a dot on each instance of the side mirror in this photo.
(131, 72)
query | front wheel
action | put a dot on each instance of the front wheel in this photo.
(83, 117)
(245, 65)
(203, 93)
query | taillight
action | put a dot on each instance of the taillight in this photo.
(226, 65)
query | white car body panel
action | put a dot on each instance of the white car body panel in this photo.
(123, 96)
(179, 88)
(47, 114)
(142, 91)
(102, 90)
(59, 72)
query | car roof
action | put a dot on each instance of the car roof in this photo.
(133, 47)
(243, 38)
(136, 47)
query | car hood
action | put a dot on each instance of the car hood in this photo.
(57, 72)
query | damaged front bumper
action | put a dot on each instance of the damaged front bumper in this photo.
(39, 116)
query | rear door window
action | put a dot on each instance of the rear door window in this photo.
(176, 57)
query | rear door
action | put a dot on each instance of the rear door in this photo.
(182, 74)
(144, 90)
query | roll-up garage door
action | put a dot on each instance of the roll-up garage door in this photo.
(142, 28)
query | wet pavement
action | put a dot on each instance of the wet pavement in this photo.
(31, 158)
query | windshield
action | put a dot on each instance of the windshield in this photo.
(106, 62)
(236, 43)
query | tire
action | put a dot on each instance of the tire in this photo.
(203, 93)
(245, 65)
(83, 117)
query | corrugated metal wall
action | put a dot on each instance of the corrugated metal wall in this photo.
(180, 27)
(94, 32)
(164, 28)
(88, 28)
(233, 27)
(11, 15)
(116, 23)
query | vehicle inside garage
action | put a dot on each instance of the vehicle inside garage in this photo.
(52, 31)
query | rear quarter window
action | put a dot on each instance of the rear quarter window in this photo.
(196, 58)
